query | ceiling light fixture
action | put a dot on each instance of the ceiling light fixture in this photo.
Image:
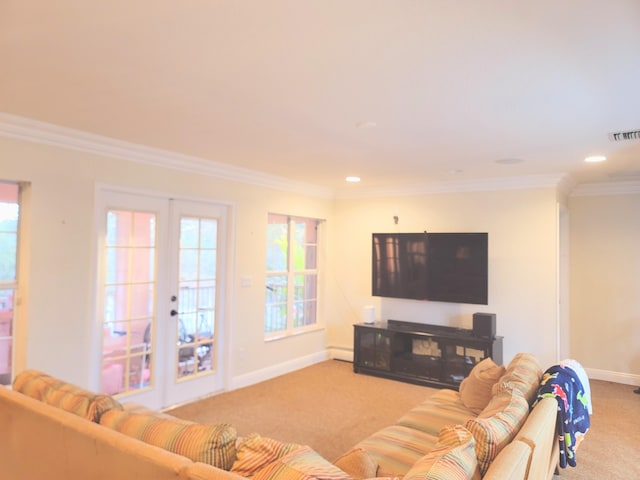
(352, 179)
(595, 159)
(509, 161)
(366, 124)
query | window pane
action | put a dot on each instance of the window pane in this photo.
(277, 243)
(209, 233)
(189, 232)
(8, 250)
(276, 304)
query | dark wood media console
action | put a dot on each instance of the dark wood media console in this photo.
(432, 355)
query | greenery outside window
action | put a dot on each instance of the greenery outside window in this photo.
(292, 275)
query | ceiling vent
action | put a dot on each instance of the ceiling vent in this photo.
(621, 136)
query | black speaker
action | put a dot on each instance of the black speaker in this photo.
(484, 325)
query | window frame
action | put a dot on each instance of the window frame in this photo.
(291, 272)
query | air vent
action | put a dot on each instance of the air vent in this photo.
(621, 136)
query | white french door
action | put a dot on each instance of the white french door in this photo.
(160, 312)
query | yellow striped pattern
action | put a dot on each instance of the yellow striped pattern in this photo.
(396, 448)
(212, 444)
(301, 464)
(496, 426)
(453, 458)
(254, 452)
(63, 395)
(523, 374)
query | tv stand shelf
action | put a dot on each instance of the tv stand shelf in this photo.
(432, 355)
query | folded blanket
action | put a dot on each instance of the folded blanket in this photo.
(564, 384)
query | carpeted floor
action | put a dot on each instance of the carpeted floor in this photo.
(330, 408)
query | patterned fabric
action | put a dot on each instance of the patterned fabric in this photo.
(396, 448)
(358, 464)
(254, 452)
(34, 383)
(524, 374)
(212, 444)
(497, 424)
(301, 464)
(63, 395)
(443, 408)
(573, 422)
(453, 458)
(475, 390)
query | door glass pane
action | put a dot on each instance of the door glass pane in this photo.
(196, 296)
(129, 301)
(9, 216)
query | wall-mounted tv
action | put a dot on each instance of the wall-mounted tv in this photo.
(442, 267)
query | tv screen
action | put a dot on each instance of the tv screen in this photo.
(444, 267)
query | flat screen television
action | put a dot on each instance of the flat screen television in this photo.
(442, 267)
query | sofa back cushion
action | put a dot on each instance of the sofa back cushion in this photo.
(523, 374)
(254, 452)
(301, 464)
(497, 425)
(63, 395)
(453, 458)
(211, 444)
(475, 390)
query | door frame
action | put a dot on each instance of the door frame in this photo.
(163, 304)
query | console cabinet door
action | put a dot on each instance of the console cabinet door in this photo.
(373, 349)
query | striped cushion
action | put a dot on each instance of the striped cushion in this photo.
(524, 374)
(442, 408)
(212, 444)
(475, 390)
(453, 458)
(63, 395)
(358, 464)
(301, 464)
(254, 452)
(396, 448)
(497, 425)
(34, 383)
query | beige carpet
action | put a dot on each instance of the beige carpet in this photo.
(329, 408)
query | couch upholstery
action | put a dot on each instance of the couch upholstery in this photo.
(55, 430)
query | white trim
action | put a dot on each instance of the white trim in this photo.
(607, 188)
(267, 373)
(21, 128)
(480, 185)
(616, 377)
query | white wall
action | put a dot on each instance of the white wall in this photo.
(60, 243)
(522, 228)
(605, 285)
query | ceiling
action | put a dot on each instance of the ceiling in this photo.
(402, 93)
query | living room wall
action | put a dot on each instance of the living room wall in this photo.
(523, 238)
(605, 284)
(57, 308)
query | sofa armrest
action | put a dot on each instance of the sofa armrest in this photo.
(539, 432)
(511, 463)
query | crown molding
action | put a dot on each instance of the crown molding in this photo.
(21, 128)
(480, 185)
(628, 187)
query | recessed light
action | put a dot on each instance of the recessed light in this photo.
(595, 159)
(455, 171)
(352, 179)
(366, 124)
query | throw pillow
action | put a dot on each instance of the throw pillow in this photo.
(453, 458)
(301, 464)
(357, 463)
(523, 374)
(475, 390)
(212, 444)
(254, 452)
(497, 425)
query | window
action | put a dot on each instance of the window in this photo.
(292, 275)
(9, 220)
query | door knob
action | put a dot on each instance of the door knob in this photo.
(173, 313)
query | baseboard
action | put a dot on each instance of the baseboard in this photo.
(616, 377)
(277, 370)
(341, 353)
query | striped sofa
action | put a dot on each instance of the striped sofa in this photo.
(55, 430)
(485, 430)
